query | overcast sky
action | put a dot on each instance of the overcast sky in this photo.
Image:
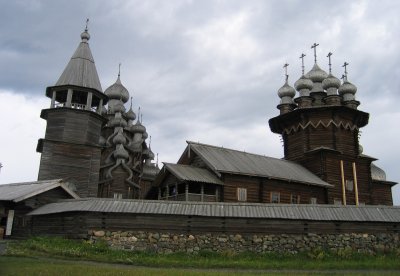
(204, 71)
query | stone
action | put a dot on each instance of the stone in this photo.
(237, 237)
(100, 233)
(190, 238)
(124, 234)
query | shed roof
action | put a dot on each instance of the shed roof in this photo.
(237, 162)
(189, 173)
(219, 209)
(17, 192)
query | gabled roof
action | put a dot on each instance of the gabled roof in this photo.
(229, 210)
(189, 173)
(223, 160)
(81, 70)
(17, 192)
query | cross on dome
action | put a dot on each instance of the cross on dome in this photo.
(302, 63)
(314, 46)
(330, 65)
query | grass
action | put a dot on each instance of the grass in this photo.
(100, 252)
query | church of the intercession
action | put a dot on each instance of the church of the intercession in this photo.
(104, 149)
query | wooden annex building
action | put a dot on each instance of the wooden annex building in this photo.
(97, 169)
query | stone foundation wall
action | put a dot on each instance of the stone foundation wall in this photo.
(283, 243)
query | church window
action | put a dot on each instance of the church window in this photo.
(241, 194)
(313, 200)
(117, 195)
(349, 185)
(275, 197)
(294, 199)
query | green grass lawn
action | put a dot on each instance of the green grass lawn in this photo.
(179, 263)
(31, 266)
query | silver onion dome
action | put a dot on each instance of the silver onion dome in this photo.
(286, 91)
(347, 88)
(130, 115)
(120, 152)
(137, 128)
(303, 83)
(119, 138)
(316, 74)
(331, 82)
(117, 91)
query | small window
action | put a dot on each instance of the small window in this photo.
(275, 197)
(313, 200)
(242, 194)
(294, 199)
(337, 201)
(117, 195)
(361, 203)
(349, 185)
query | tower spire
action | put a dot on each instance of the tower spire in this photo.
(314, 46)
(119, 69)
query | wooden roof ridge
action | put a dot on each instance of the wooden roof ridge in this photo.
(10, 192)
(191, 173)
(299, 175)
(320, 212)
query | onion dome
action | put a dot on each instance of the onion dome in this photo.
(303, 85)
(130, 115)
(119, 138)
(331, 84)
(145, 135)
(117, 91)
(360, 149)
(117, 121)
(347, 88)
(137, 128)
(286, 93)
(377, 173)
(316, 74)
(116, 106)
(121, 153)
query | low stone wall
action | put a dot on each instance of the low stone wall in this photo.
(283, 243)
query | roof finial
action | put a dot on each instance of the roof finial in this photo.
(345, 70)
(131, 102)
(330, 65)
(286, 74)
(157, 159)
(302, 63)
(87, 23)
(150, 142)
(141, 118)
(314, 46)
(119, 69)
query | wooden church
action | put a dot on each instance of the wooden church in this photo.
(95, 161)
(323, 160)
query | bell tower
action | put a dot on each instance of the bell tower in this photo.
(71, 147)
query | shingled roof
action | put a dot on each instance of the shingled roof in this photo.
(189, 173)
(17, 192)
(220, 209)
(223, 160)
